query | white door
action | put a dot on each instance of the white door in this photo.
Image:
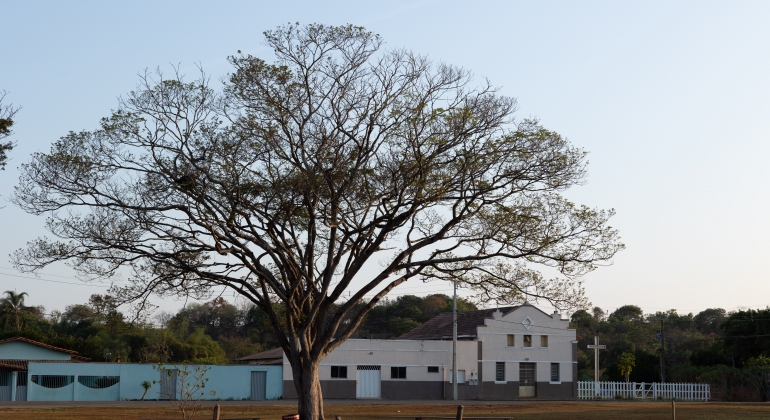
(460, 376)
(368, 381)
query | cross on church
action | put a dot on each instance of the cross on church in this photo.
(596, 347)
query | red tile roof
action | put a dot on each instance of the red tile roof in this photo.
(440, 326)
(16, 364)
(72, 353)
(13, 364)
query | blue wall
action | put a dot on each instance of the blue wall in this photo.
(229, 382)
(25, 351)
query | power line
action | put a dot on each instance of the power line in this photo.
(46, 274)
(52, 281)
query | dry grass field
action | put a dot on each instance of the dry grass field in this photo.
(529, 411)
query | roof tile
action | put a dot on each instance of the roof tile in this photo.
(440, 326)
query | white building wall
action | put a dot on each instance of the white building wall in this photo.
(415, 355)
(494, 336)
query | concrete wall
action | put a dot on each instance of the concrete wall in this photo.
(229, 382)
(20, 350)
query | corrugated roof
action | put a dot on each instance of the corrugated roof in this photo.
(440, 326)
(72, 353)
(276, 353)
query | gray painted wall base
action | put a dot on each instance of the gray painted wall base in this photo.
(432, 390)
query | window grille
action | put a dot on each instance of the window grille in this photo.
(527, 341)
(52, 381)
(339, 371)
(98, 382)
(398, 372)
(511, 340)
(543, 341)
(500, 371)
(554, 372)
(432, 369)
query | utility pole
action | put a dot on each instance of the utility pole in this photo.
(454, 344)
(662, 351)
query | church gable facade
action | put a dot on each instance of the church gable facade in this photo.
(527, 353)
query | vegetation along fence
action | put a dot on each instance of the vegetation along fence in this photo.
(643, 390)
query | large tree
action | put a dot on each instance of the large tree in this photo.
(317, 184)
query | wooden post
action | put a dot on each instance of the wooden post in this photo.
(459, 412)
(216, 412)
(673, 410)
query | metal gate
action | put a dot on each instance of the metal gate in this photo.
(168, 384)
(21, 386)
(526, 379)
(258, 386)
(5, 385)
(368, 381)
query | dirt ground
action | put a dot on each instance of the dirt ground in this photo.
(534, 410)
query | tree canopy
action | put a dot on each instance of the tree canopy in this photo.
(728, 350)
(321, 181)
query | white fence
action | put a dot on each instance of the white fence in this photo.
(642, 390)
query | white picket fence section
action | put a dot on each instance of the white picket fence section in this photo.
(643, 390)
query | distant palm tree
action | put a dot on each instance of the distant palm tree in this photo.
(12, 306)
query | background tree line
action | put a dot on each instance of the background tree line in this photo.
(729, 350)
(212, 332)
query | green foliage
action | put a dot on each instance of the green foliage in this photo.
(728, 350)
(391, 318)
(707, 322)
(13, 311)
(747, 335)
(626, 364)
(146, 385)
(212, 332)
(98, 330)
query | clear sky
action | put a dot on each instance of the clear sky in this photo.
(671, 99)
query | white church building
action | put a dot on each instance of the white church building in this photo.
(508, 353)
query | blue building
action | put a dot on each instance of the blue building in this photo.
(34, 371)
(15, 355)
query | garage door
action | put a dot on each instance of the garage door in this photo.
(258, 386)
(368, 381)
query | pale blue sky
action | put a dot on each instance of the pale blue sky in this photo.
(671, 99)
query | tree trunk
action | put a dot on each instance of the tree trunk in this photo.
(309, 396)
